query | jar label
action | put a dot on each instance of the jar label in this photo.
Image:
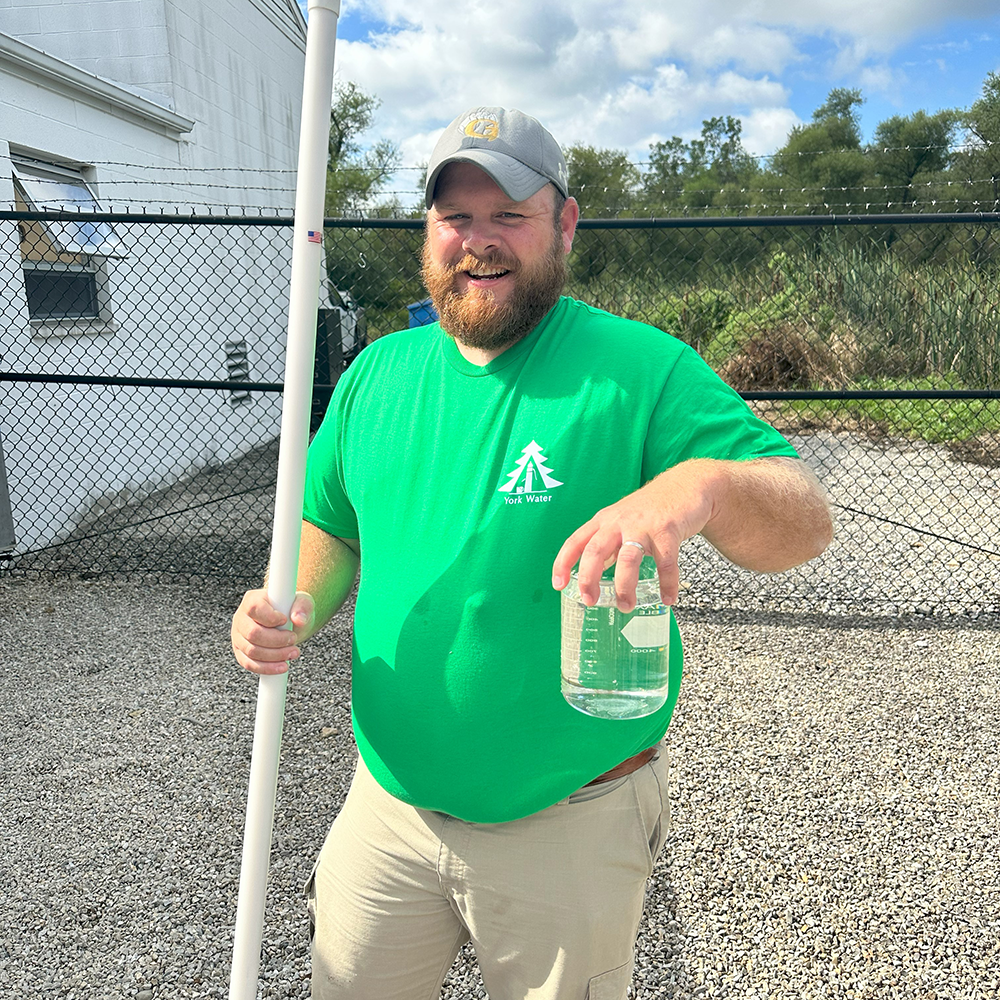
(648, 631)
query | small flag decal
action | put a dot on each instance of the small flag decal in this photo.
(315, 237)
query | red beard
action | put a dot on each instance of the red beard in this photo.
(474, 318)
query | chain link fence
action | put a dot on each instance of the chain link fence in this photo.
(142, 366)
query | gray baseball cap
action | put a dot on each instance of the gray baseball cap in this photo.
(512, 147)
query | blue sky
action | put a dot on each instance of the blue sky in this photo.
(637, 71)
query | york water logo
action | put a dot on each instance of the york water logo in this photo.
(531, 478)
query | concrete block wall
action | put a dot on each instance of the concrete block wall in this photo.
(121, 40)
(234, 68)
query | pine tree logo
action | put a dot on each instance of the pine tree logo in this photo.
(530, 474)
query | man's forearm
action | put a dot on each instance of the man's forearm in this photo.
(328, 567)
(768, 514)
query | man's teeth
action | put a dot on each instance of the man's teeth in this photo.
(486, 274)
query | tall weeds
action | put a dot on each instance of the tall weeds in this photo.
(872, 309)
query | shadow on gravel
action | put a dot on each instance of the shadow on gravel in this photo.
(215, 523)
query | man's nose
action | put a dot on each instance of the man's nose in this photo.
(480, 237)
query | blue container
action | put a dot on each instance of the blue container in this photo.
(421, 313)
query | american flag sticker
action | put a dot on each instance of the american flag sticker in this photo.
(314, 237)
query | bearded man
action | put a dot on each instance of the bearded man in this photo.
(467, 467)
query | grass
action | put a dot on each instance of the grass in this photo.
(835, 311)
(785, 308)
(938, 421)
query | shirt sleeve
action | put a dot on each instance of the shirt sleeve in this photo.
(326, 503)
(699, 416)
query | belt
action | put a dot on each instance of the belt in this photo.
(627, 766)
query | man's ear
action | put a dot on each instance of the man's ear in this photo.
(568, 221)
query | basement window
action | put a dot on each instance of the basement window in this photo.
(63, 262)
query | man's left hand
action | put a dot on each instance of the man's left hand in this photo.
(766, 514)
(660, 516)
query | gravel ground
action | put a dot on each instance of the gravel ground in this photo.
(834, 788)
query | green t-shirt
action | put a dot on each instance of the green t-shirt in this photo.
(462, 482)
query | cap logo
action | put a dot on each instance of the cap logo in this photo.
(478, 126)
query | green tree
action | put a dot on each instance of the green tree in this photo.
(982, 120)
(842, 107)
(979, 165)
(718, 168)
(356, 176)
(822, 167)
(375, 269)
(603, 181)
(709, 170)
(720, 153)
(909, 149)
(663, 179)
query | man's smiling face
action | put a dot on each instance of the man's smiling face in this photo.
(493, 266)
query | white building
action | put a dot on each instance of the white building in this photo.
(114, 105)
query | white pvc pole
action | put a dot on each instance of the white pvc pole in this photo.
(307, 253)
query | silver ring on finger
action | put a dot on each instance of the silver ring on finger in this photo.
(638, 545)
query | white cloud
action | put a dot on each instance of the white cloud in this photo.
(765, 129)
(884, 26)
(623, 75)
(752, 47)
(883, 79)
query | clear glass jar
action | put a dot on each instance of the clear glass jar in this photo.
(616, 665)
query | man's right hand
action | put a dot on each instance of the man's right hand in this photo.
(260, 642)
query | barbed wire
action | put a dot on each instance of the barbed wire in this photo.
(767, 189)
(112, 182)
(964, 182)
(674, 195)
(155, 170)
(147, 166)
(398, 202)
(771, 189)
(967, 182)
(167, 209)
(797, 208)
(170, 209)
(153, 181)
(868, 150)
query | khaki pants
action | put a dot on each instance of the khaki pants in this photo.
(550, 902)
